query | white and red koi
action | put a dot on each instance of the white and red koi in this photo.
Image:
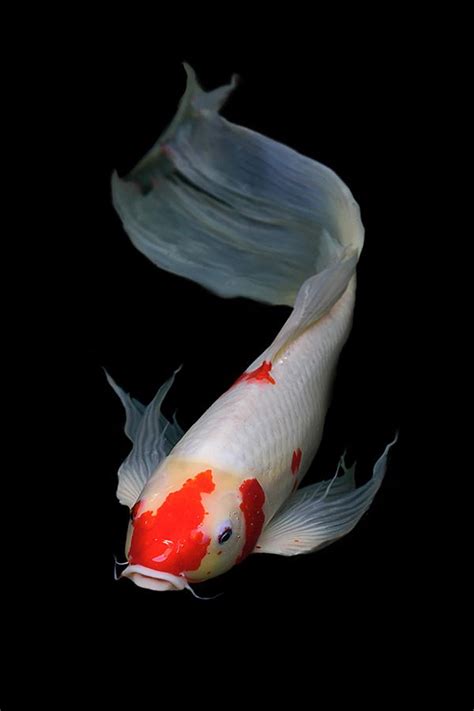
(243, 216)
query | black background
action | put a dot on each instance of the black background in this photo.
(141, 323)
(359, 111)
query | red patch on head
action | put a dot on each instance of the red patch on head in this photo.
(170, 539)
(253, 498)
(296, 461)
(260, 374)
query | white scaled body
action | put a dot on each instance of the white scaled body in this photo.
(255, 428)
(243, 216)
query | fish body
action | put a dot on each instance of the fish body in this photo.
(201, 502)
(270, 422)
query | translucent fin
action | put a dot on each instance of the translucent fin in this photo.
(237, 212)
(315, 299)
(320, 514)
(133, 408)
(194, 99)
(153, 437)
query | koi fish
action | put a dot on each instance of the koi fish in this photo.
(242, 215)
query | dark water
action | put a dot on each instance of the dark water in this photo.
(140, 323)
(342, 604)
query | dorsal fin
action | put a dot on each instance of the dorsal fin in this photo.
(315, 299)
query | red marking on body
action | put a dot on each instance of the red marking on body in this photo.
(296, 461)
(170, 539)
(253, 498)
(260, 374)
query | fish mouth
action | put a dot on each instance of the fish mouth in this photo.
(154, 579)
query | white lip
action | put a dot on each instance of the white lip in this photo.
(154, 579)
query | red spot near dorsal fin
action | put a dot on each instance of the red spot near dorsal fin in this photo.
(296, 461)
(262, 374)
(253, 498)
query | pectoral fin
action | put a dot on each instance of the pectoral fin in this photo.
(320, 514)
(153, 437)
(134, 409)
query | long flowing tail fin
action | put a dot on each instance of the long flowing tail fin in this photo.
(239, 213)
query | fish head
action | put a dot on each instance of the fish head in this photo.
(190, 525)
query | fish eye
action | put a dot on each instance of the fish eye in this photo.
(224, 535)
